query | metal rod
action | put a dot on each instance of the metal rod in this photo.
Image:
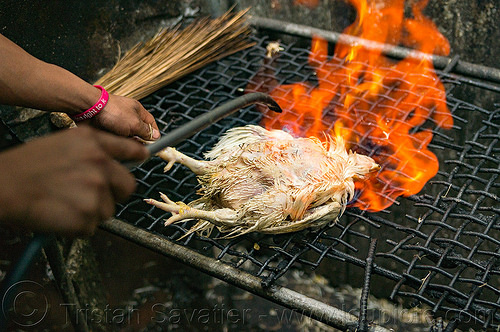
(203, 121)
(286, 297)
(440, 62)
(363, 305)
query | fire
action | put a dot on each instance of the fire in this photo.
(377, 104)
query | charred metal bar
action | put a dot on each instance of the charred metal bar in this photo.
(277, 294)
(283, 266)
(363, 306)
(440, 62)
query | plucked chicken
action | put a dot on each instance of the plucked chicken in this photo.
(267, 181)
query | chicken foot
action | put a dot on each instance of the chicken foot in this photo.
(181, 211)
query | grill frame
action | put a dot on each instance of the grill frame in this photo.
(294, 247)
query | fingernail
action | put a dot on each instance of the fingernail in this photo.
(156, 134)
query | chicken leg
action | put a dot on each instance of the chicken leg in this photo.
(172, 156)
(181, 211)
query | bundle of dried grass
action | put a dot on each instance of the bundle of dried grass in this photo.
(171, 54)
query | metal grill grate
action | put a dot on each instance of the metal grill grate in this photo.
(440, 248)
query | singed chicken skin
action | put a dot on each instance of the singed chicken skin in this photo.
(268, 182)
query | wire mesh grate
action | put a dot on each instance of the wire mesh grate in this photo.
(440, 247)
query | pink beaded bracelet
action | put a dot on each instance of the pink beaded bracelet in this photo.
(94, 110)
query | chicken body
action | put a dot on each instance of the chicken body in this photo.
(267, 181)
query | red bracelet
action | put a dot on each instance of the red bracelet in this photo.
(94, 110)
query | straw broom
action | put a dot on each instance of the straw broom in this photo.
(171, 54)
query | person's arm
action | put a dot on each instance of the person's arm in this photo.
(67, 182)
(30, 82)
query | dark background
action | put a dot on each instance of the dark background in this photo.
(84, 36)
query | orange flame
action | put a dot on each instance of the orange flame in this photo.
(375, 103)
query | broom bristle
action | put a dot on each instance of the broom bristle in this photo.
(173, 53)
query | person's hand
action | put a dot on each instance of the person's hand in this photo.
(126, 117)
(67, 182)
